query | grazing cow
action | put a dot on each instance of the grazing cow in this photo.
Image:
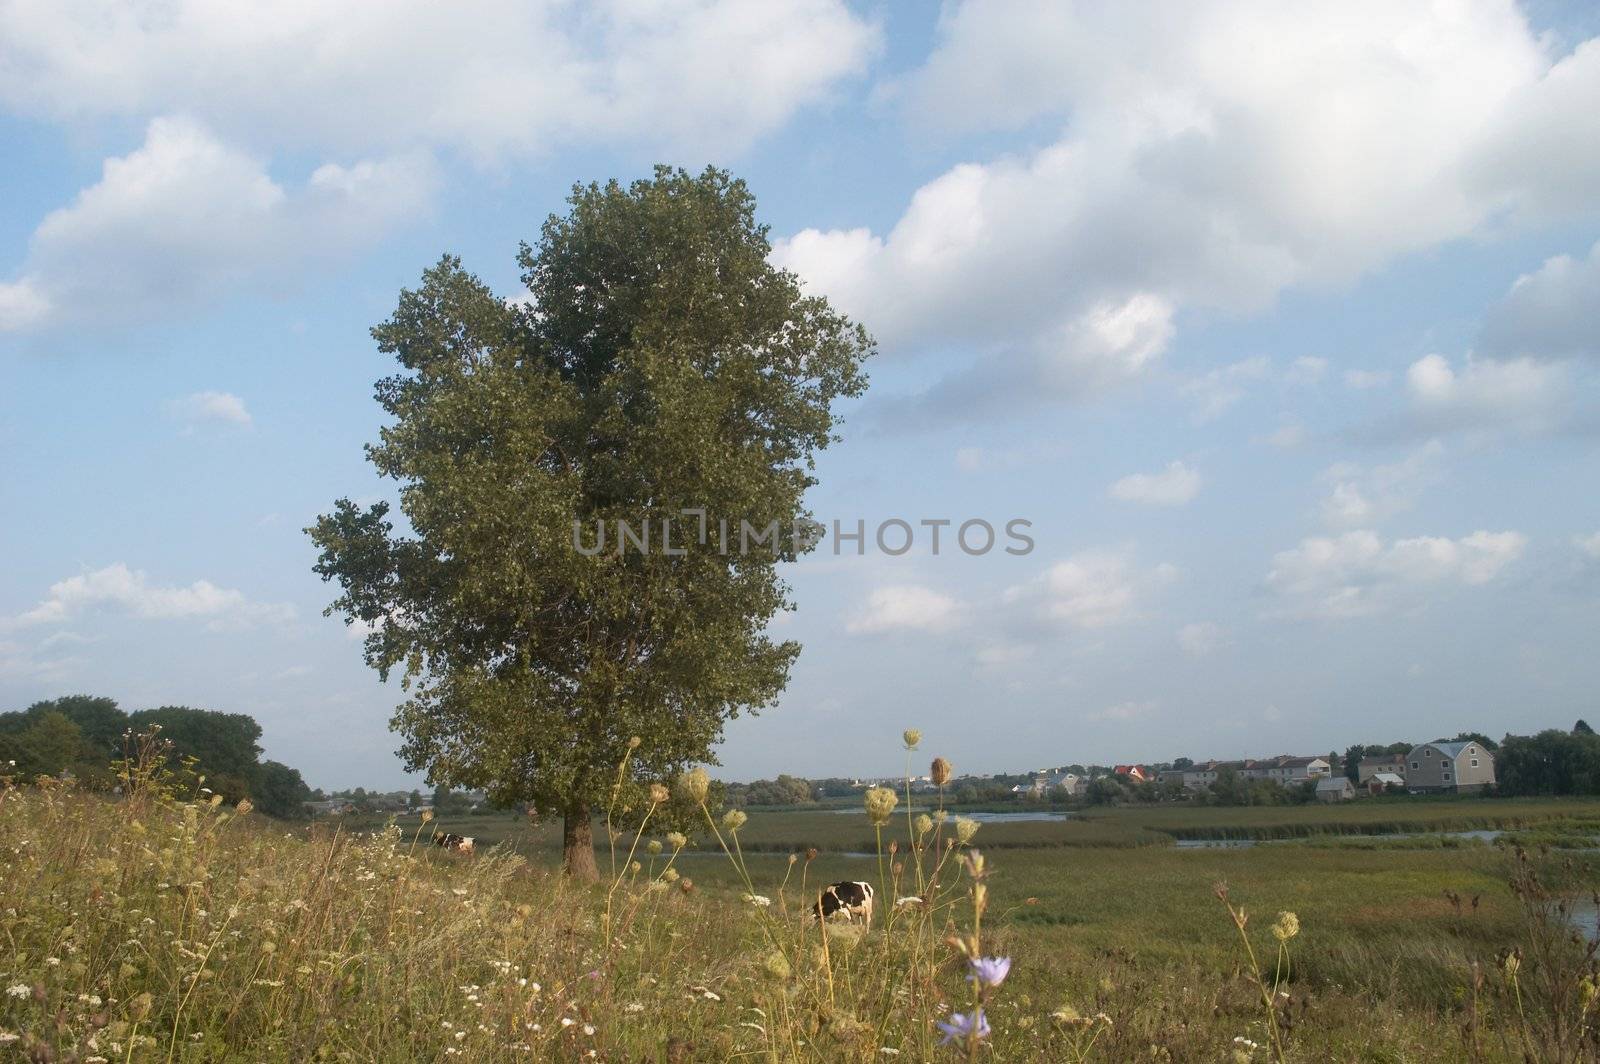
(853, 898)
(451, 841)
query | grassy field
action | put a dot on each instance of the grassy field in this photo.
(170, 929)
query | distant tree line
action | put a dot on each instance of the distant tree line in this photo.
(82, 735)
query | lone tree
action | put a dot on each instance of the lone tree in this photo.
(660, 364)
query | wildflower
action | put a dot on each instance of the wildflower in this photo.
(912, 737)
(686, 885)
(633, 743)
(677, 840)
(939, 772)
(966, 827)
(734, 819)
(244, 806)
(990, 971)
(659, 793)
(777, 966)
(962, 1026)
(1287, 927)
(427, 815)
(653, 847)
(880, 803)
(670, 875)
(695, 785)
(924, 824)
(19, 991)
(760, 901)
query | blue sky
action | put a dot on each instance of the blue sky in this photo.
(1280, 328)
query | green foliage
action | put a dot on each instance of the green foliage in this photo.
(662, 364)
(279, 791)
(1551, 762)
(225, 746)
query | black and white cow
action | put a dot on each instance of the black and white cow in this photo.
(853, 898)
(451, 841)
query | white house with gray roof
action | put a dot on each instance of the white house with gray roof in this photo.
(1460, 767)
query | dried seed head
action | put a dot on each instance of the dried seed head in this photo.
(880, 803)
(659, 793)
(695, 785)
(912, 737)
(939, 772)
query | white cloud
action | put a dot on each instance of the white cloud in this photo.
(1553, 312)
(129, 591)
(1307, 369)
(1176, 485)
(1518, 393)
(1356, 574)
(1364, 379)
(1216, 391)
(1219, 154)
(1284, 436)
(1093, 589)
(1124, 711)
(210, 406)
(486, 78)
(1362, 496)
(1201, 639)
(185, 218)
(907, 607)
(1590, 545)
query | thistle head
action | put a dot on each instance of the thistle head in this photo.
(939, 772)
(659, 794)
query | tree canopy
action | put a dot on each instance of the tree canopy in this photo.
(659, 364)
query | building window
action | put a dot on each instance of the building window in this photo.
(1416, 764)
(1474, 762)
(1427, 753)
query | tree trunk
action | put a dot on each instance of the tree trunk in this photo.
(577, 845)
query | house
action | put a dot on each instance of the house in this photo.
(331, 808)
(1052, 782)
(1335, 789)
(1131, 773)
(1373, 764)
(1380, 782)
(1460, 767)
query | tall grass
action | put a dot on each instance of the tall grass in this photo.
(164, 926)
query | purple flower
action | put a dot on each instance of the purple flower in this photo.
(990, 971)
(962, 1026)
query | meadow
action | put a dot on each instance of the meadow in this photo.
(165, 926)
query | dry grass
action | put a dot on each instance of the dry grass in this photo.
(167, 927)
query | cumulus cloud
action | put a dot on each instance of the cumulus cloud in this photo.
(1201, 639)
(1130, 710)
(1362, 496)
(1090, 590)
(1220, 154)
(1553, 312)
(906, 607)
(1175, 485)
(119, 589)
(485, 78)
(210, 406)
(1357, 574)
(185, 217)
(1516, 393)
